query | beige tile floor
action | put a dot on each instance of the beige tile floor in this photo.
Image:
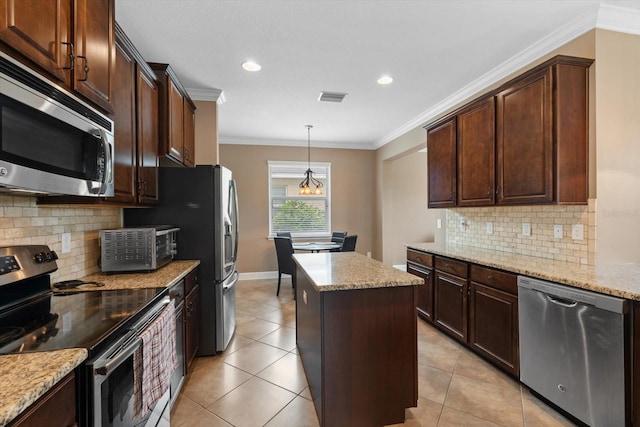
(259, 379)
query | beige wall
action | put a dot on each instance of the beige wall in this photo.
(410, 219)
(206, 133)
(22, 222)
(618, 146)
(352, 193)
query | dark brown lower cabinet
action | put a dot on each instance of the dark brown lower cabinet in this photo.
(359, 352)
(424, 293)
(493, 326)
(192, 320)
(56, 407)
(450, 304)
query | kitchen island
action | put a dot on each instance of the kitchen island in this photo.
(357, 338)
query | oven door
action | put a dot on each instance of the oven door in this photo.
(113, 384)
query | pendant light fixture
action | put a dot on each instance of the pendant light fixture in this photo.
(309, 180)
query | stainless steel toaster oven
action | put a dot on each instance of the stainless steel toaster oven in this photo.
(137, 249)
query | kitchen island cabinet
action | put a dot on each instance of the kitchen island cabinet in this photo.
(357, 337)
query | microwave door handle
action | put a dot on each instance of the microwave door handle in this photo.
(108, 156)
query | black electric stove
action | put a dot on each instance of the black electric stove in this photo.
(35, 318)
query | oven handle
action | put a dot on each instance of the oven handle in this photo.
(118, 358)
(124, 353)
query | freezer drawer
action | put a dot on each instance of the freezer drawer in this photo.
(572, 349)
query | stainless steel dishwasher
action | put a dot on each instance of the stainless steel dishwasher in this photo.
(572, 349)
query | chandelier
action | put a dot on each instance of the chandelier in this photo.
(309, 180)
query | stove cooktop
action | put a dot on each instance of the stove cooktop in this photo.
(55, 321)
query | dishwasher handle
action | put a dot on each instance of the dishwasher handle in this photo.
(562, 301)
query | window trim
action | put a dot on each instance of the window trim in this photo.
(327, 192)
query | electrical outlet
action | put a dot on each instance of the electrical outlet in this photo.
(526, 229)
(463, 224)
(577, 232)
(489, 227)
(368, 254)
(557, 231)
(439, 223)
(66, 242)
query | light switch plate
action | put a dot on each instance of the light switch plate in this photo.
(577, 232)
(463, 224)
(489, 227)
(439, 223)
(66, 242)
(526, 229)
(557, 231)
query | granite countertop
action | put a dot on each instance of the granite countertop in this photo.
(165, 276)
(338, 271)
(621, 280)
(25, 377)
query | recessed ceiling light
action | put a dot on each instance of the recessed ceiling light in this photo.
(251, 66)
(385, 80)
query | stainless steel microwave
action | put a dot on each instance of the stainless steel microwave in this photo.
(51, 142)
(137, 248)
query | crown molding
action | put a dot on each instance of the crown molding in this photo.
(292, 143)
(619, 19)
(205, 94)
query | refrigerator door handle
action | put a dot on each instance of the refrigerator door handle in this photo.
(232, 282)
(236, 214)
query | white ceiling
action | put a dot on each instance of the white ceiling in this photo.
(440, 52)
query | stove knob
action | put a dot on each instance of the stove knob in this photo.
(54, 255)
(40, 257)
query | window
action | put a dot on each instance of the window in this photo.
(302, 216)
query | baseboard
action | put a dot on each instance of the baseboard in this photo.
(257, 275)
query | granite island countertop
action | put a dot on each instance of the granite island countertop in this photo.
(25, 377)
(621, 280)
(339, 271)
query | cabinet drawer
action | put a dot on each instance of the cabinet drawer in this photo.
(190, 281)
(420, 257)
(495, 278)
(458, 268)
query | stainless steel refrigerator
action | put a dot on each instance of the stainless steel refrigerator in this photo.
(203, 202)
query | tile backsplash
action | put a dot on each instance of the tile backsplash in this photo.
(507, 234)
(22, 222)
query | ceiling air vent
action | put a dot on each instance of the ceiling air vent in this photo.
(331, 96)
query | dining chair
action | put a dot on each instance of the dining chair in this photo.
(349, 244)
(337, 237)
(283, 234)
(284, 251)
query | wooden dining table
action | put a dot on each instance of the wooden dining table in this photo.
(315, 246)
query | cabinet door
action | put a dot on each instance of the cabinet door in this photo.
(95, 50)
(147, 139)
(189, 134)
(450, 304)
(192, 316)
(42, 37)
(57, 404)
(476, 154)
(125, 132)
(424, 293)
(493, 326)
(176, 125)
(525, 140)
(441, 164)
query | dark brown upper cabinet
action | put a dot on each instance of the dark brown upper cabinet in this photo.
(177, 121)
(525, 143)
(476, 154)
(441, 164)
(71, 41)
